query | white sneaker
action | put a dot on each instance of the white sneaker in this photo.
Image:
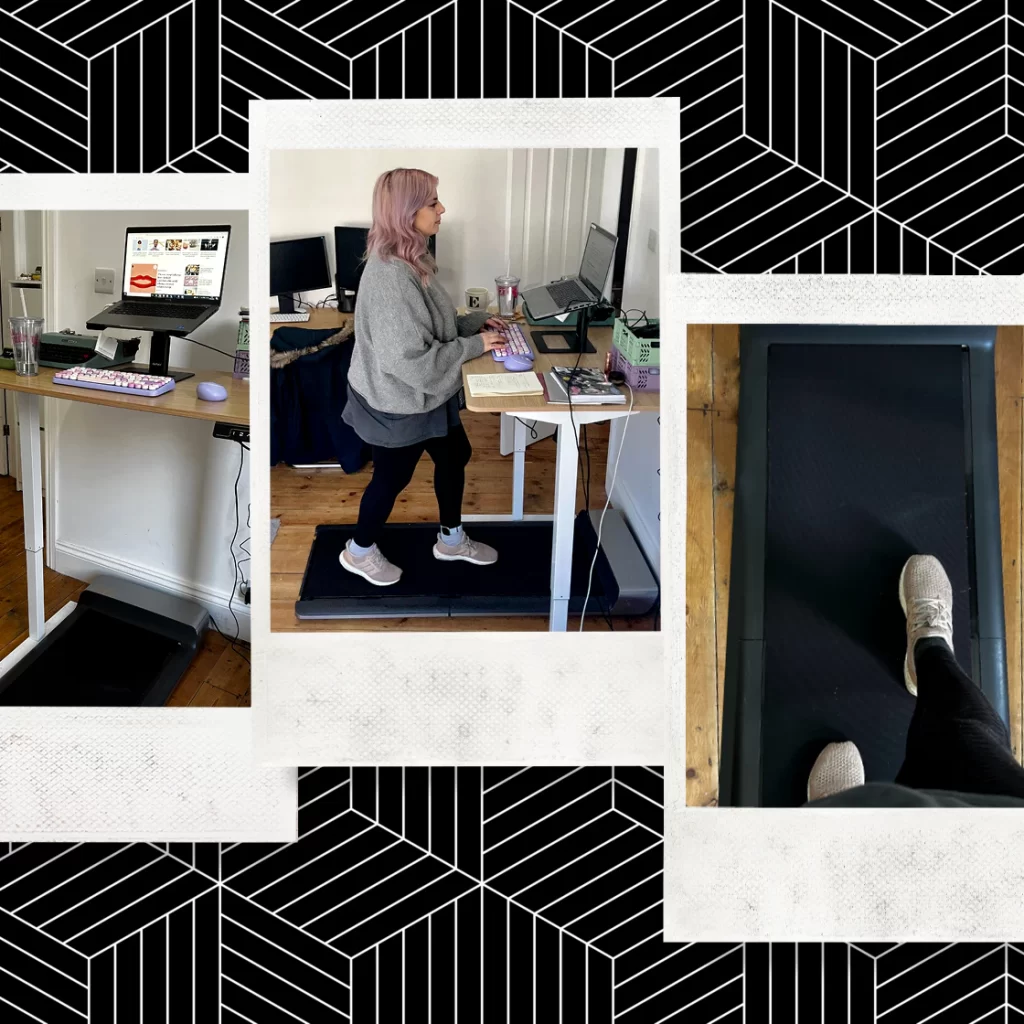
(465, 551)
(839, 767)
(373, 567)
(926, 596)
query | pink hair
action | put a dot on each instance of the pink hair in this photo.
(397, 197)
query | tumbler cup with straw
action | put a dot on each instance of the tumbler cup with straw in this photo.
(26, 333)
(507, 288)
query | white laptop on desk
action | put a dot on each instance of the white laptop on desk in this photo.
(582, 290)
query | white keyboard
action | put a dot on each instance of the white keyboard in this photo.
(289, 318)
(516, 344)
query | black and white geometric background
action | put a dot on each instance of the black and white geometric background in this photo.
(918, 167)
(448, 895)
(839, 135)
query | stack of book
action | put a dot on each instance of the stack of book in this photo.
(583, 385)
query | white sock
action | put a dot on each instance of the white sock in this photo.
(452, 535)
(359, 552)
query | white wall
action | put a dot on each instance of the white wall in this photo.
(637, 490)
(147, 496)
(518, 211)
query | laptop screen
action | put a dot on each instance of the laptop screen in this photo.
(597, 259)
(175, 263)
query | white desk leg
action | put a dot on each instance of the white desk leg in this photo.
(566, 457)
(518, 466)
(32, 494)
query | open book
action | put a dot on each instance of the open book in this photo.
(484, 385)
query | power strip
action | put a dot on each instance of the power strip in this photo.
(231, 432)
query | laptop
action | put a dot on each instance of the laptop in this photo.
(582, 290)
(172, 279)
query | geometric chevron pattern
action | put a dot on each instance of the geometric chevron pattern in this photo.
(469, 895)
(860, 136)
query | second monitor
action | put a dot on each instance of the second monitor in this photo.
(349, 253)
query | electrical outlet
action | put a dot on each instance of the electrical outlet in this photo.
(243, 591)
(103, 278)
(652, 240)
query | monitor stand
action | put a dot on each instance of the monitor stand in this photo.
(571, 342)
(159, 354)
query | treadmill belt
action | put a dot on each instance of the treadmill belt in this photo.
(99, 661)
(867, 465)
(519, 583)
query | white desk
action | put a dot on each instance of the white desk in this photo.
(534, 407)
(182, 401)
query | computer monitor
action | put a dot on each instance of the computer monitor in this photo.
(349, 250)
(298, 265)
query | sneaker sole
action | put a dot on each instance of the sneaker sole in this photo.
(460, 558)
(366, 576)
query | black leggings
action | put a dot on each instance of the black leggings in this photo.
(956, 740)
(393, 469)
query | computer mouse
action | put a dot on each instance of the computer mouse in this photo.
(210, 392)
(515, 363)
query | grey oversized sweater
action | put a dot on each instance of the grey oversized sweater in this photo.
(409, 344)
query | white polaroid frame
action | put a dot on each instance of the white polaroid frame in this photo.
(806, 874)
(147, 774)
(420, 698)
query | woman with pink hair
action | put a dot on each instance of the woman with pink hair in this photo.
(405, 381)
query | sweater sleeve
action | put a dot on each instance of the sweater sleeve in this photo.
(404, 344)
(471, 323)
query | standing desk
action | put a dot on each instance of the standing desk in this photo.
(182, 401)
(536, 407)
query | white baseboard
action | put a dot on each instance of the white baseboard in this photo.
(84, 563)
(649, 542)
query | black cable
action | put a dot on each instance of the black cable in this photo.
(532, 428)
(212, 348)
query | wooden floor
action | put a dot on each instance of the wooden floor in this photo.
(217, 677)
(713, 395)
(302, 499)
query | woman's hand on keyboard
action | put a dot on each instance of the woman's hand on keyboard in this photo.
(492, 340)
(496, 322)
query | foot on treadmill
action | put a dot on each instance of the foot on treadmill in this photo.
(838, 767)
(927, 599)
(373, 567)
(466, 550)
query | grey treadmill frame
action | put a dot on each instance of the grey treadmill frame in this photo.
(740, 761)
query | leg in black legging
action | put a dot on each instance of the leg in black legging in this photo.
(392, 470)
(451, 455)
(956, 740)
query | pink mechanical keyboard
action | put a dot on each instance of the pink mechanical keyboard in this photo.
(144, 385)
(515, 344)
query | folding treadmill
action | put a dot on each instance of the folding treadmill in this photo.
(857, 447)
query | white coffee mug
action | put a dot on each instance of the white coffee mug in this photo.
(476, 298)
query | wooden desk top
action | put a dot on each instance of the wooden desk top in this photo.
(182, 401)
(599, 337)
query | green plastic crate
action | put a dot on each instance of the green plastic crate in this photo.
(639, 351)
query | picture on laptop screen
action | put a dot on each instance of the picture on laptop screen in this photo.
(171, 267)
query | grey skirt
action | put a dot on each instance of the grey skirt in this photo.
(399, 430)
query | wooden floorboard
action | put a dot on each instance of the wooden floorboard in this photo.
(217, 677)
(1010, 433)
(303, 499)
(713, 374)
